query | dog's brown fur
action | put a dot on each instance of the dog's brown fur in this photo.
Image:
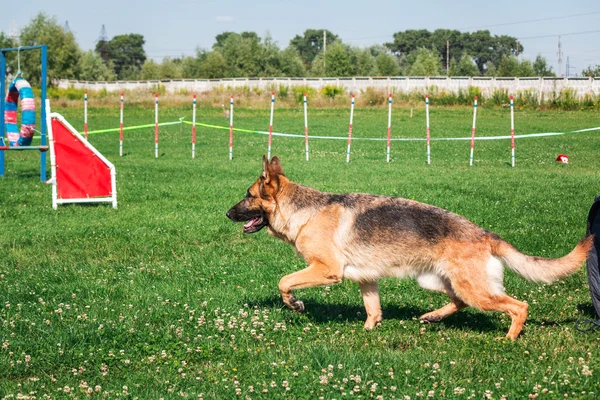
(365, 237)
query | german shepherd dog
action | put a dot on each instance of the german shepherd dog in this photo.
(364, 238)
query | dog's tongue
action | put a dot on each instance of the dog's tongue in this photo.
(252, 222)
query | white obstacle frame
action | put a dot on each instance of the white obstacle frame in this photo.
(113, 174)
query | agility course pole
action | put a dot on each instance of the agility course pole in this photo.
(156, 126)
(350, 130)
(427, 129)
(85, 121)
(512, 131)
(271, 125)
(389, 131)
(231, 128)
(473, 131)
(194, 127)
(121, 126)
(305, 127)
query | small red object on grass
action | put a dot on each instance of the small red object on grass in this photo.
(563, 158)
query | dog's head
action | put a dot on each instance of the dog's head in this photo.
(259, 202)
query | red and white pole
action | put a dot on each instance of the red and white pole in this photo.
(512, 131)
(231, 128)
(194, 128)
(121, 126)
(389, 131)
(427, 129)
(473, 131)
(85, 121)
(156, 125)
(271, 125)
(350, 130)
(305, 127)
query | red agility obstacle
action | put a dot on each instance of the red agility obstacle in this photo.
(80, 174)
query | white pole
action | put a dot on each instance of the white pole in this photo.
(121, 127)
(427, 129)
(52, 156)
(271, 125)
(194, 128)
(231, 128)
(389, 131)
(350, 130)
(85, 119)
(156, 126)
(306, 126)
(512, 131)
(473, 131)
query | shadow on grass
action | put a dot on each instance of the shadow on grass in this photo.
(322, 313)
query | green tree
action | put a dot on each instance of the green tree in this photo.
(410, 41)
(310, 44)
(387, 65)
(426, 63)
(486, 48)
(464, 67)
(365, 62)
(338, 61)
(242, 55)
(190, 67)
(8, 42)
(541, 67)
(508, 66)
(213, 65)
(269, 58)
(63, 51)
(170, 68)
(126, 52)
(592, 71)
(290, 63)
(150, 70)
(92, 68)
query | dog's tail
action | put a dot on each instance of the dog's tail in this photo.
(540, 269)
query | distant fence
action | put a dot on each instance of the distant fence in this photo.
(542, 87)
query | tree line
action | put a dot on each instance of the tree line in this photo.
(246, 54)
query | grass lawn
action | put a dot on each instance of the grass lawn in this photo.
(166, 298)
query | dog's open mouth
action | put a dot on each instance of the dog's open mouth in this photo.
(255, 224)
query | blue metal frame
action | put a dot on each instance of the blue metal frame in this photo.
(43, 81)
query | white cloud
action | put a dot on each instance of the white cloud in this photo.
(224, 18)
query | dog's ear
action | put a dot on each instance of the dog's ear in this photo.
(265, 168)
(275, 166)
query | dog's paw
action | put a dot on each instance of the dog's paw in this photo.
(371, 324)
(296, 305)
(430, 318)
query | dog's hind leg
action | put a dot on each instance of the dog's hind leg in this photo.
(316, 274)
(370, 295)
(437, 315)
(487, 296)
(436, 283)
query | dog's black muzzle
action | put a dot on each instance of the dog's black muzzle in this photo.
(256, 219)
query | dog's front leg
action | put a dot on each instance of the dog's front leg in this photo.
(316, 274)
(370, 295)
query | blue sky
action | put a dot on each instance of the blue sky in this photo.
(175, 28)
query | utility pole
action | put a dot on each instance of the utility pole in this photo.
(325, 50)
(102, 44)
(67, 28)
(516, 48)
(560, 54)
(567, 68)
(447, 58)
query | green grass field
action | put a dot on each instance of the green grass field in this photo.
(166, 298)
